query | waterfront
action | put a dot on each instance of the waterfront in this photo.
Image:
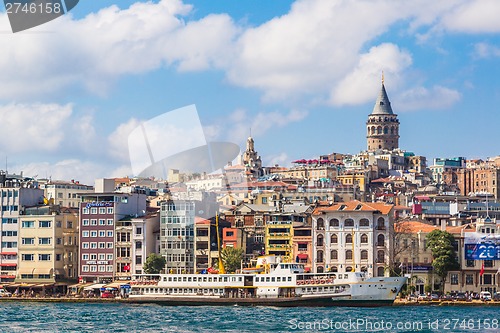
(116, 317)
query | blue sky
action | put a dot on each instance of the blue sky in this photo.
(304, 75)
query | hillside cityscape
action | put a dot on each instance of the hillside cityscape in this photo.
(336, 212)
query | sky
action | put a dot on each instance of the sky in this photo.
(302, 76)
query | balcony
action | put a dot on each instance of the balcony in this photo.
(380, 227)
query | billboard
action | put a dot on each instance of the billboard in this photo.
(482, 246)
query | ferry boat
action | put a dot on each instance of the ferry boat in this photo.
(271, 283)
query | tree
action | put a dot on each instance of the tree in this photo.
(154, 264)
(403, 243)
(444, 255)
(231, 258)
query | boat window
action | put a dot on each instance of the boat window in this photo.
(209, 279)
(240, 279)
(278, 279)
(282, 266)
(256, 279)
(289, 279)
(340, 276)
(345, 276)
(225, 278)
(267, 279)
(204, 279)
(169, 279)
(273, 279)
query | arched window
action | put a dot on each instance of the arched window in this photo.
(364, 223)
(319, 256)
(348, 254)
(364, 239)
(320, 269)
(319, 240)
(380, 223)
(334, 239)
(320, 224)
(348, 238)
(364, 254)
(349, 223)
(392, 130)
(334, 269)
(364, 269)
(334, 223)
(348, 269)
(380, 256)
(386, 130)
(379, 130)
(380, 240)
(334, 255)
(380, 271)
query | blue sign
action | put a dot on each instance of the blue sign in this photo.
(125, 286)
(486, 251)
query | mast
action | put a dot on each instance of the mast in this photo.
(221, 264)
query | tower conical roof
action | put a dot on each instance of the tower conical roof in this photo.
(382, 105)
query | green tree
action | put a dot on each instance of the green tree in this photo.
(154, 264)
(444, 256)
(231, 258)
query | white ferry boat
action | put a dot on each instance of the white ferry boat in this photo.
(272, 283)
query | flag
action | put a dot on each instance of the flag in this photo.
(126, 268)
(481, 272)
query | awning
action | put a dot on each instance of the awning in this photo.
(114, 285)
(302, 256)
(8, 253)
(95, 286)
(5, 264)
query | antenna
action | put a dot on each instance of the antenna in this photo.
(383, 77)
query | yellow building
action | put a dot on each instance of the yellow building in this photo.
(48, 247)
(279, 238)
(355, 178)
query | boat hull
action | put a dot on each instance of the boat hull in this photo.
(320, 301)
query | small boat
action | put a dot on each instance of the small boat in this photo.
(274, 284)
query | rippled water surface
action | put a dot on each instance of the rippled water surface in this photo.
(75, 317)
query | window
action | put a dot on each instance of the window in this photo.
(69, 224)
(85, 233)
(334, 223)
(9, 233)
(85, 268)
(93, 222)
(334, 255)
(348, 239)
(58, 241)
(109, 268)
(109, 256)
(364, 255)
(349, 223)
(102, 210)
(109, 245)
(58, 257)
(85, 222)
(110, 233)
(28, 257)
(85, 245)
(469, 279)
(138, 260)
(28, 241)
(44, 241)
(9, 245)
(102, 245)
(93, 210)
(93, 268)
(102, 222)
(93, 245)
(85, 256)
(488, 263)
(28, 224)
(110, 221)
(44, 257)
(348, 254)
(93, 233)
(364, 239)
(334, 239)
(102, 233)
(138, 231)
(45, 224)
(138, 245)
(85, 210)
(110, 210)
(320, 225)
(454, 278)
(93, 256)
(364, 223)
(319, 240)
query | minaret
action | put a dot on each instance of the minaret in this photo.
(382, 126)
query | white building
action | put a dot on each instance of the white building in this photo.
(352, 236)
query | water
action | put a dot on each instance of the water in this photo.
(108, 317)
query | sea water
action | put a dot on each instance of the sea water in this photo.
(112, 317)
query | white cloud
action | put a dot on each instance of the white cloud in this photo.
(261, 123)
(94, 51)
(279, 159)
(476, 16)
(118, 140)
(421, 98)
(485, 50)
(364, 81)
(27, 127)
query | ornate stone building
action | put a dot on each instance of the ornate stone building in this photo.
(383, 125)
(251, 159)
